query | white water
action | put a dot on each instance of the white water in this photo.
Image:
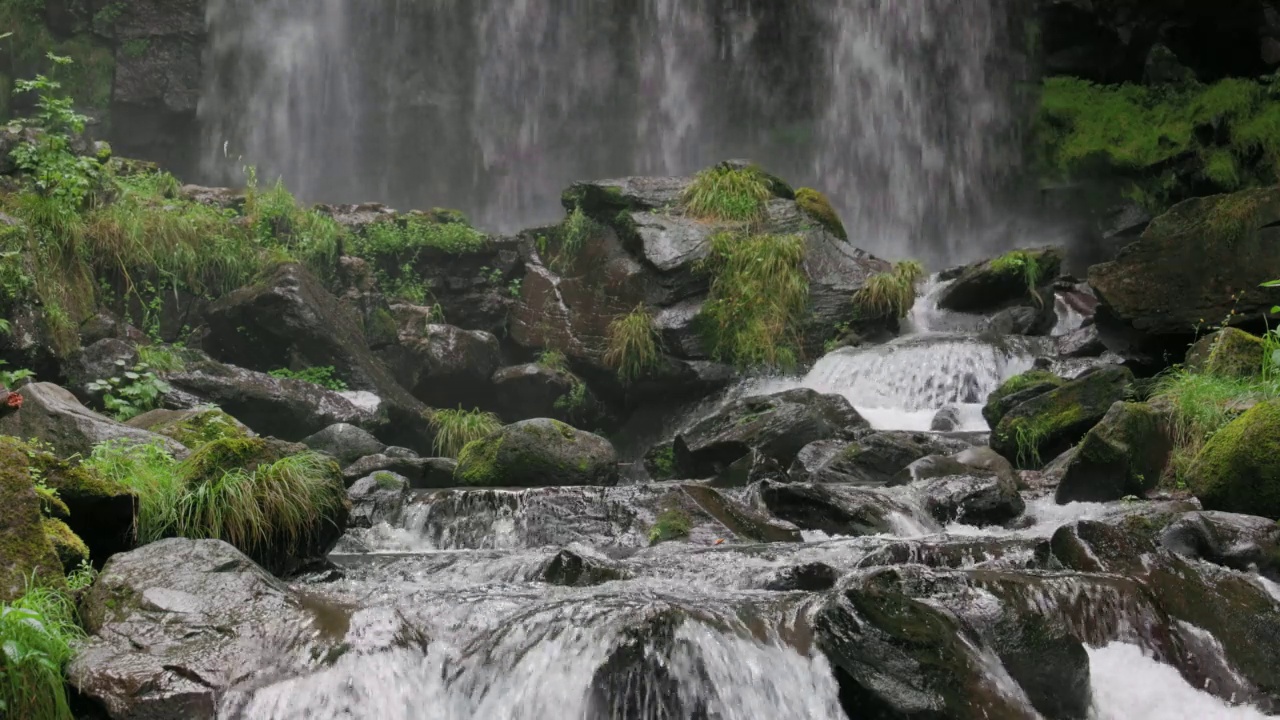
(1129, 685)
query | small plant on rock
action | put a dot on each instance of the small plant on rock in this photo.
(1024, 264)
(135, 391)
(553, 360)
(456, 428)
(727, 193)
(671, 525)
(759, 294)
(819, 208)
(322, 375)
(886, 294)
(634, 344)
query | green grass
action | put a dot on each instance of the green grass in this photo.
(1204, 403)
(1020, 263)
(553, 360)
(634, 345)
(152, 473)
(575, 233)
(758, 299)
(38, 632)
(455, 429)
(819, 208)
(403, 240)
(888, 294)
(727, 194)
(388, 481)
(322, 375)
(910, 270)
(160, 358)
(670, 525)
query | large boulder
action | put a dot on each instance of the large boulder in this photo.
(1124, 454)
(100, 512)
(103, 359)
(421, 473)
(345, 443)
(1044, 426)
(53, 415)
(1229, 352)
(25, 549)
(174, 625)
(832, 509)
(1201, 262)
(778, 426)
(971, 498)
(1241, 542)
(538, 453)
(193, 427)
(873, 459)
(442, 365)
(1017, 390)
(1239, 469)
(1011, 279)
(535, 390)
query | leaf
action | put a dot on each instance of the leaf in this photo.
(1270, 284)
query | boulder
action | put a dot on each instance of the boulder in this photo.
(1124, 454)
(1159, 285)
(832, 509)
(421, 473)
(70, 549)
(443, 366)
(778, 426)
(995, 284)
(538, 453)
(1229, 352)
(100, 512)
(192, 428)
(377, 498)
(873, 459)
(25, 549)
(581, 567)
(971, 499)
(103, 359)
(1081, 343)
(473, 289)
(946, 420)
(345, 443)
(1023, 320)
(737, 519)
(1049, 423)
(1016, 390)
(534, 390)
(53, 415)
(1239, 468)
(1240, 542)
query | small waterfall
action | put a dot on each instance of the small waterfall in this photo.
(1129, 685)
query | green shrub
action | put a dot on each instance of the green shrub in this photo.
(160, 358)
(37, 635)
(152, 473)
(1020, 263)
(322, 375)
(404, 239)
(135, 391)
(553, 360)
(575, 233)
(910, 270)
(758, 298)
(456, 428)
(634, 345)
(727, 193)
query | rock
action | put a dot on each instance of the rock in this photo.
(811, 577)
(873, 459)
(290, 320)
(1229, 352)
(443, 366)
(1239, 468)
(946, 420)
(832, 509)
(972, 499)
(25, 549)
(538, 453)
(639, 678)
(1081, 343)
(422, 473)
(53, 415)
(1017, 390)
(1023, 320)
(100, 512)
(994, 284)
(1159, 286)
(1049, 423)
(581, 568)
(377, 498)
(192, 428)
(346, 443)
(103, 359)
(749, 469)
(1124, 454)
(533, 390)
(473, 289)
(1050, 665)
(70, 549)
(738, 519)
(778, 426)
(1240, 542)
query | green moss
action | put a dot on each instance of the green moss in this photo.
(1036, 430)
(201, 428)
(478, 462)
(1230, 352)
(1239, 468)
(212, 461)
(381, 328)
(997, 402)
(388, 481)
(68, 546)
(672, 524)
(819, 208)
(24, 548)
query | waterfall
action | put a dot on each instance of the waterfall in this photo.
(904, 113)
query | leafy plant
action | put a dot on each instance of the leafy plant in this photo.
(133, 392)
(37, 634)
(456, 428)
(322, 375)
(57, 172)
(553, 360)
(671, 525)
(1024, 264)
(634, 345)
(727, 193)
(14, 379)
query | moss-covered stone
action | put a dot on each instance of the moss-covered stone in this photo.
(1230, 352)
(1017, 389)
(214, 459)
(672, 524)
(25, 551)
(381, 328)
(538, 453)
(68, 546)
(1239, 468)
(1048, 424)
(1012, 278)
(193, 428)
(1124, 454)
(100, 511)
(819, 208)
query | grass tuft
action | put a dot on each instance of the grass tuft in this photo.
(455, 429)
(758, 298)
(1024, 264)
(887, 295)
(37, 636)
(634, 344)
(726, 193)
(1204, 403)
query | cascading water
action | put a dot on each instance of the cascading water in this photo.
(904, 113)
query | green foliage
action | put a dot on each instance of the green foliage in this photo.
(819, 208)
(60, 176)
(729, 194)
(135, 391)
(575, 402)
(404, 239)
(671, 525)
(136, 48)
(37, 635)
(574, 234)
(889, 294)
(388, 481)
(664, 463)
(758, 298)
(455, 429)
(277, 222)
(910, 270)
(634, 346)
(150, 471)
(14, 379)
(1027, 438)
(1203, 403)
(553, 360)
(322, 375)
(160, 358)
(1020, 263)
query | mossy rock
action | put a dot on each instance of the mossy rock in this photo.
(25, 550)
(68, 546)
(100, 511)
(1230, 352)
(817, 206)
(1012, 278)
(538, 453)
(1018, 389)
(672, 524)
(1124, 454)
(1239, 468)
(193, 428)
(216, 458)
(1047, 425)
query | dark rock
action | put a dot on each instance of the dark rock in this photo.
(377, 498)
(52, 414)
(1239, 468)
(534, 390)
(346, 443)
(778, 426)
(1049, 423)
(873, 459)
(99, 361)
(192, 428)
(1240, 542)
(1023, 320)
(1124, 454)
(946, 420)
(972, 499)
(638, 679)
(422, 473)
(811, 577)
(832, 509)
(1017, 390)
(100, 512)
(1050, 665)
(571, 568)
(441, 365)
(538, 453)
(1085, 342)
(992, 285)
(740, 520)
(749, 469)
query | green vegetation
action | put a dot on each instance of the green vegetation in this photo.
(819, 208)
(634, 345)
(1021, 264)
(135, 391)
(663, 463)
(1203, 403)
(553, 360)
(404, 239)
(889, 294)
(728, 194)
(455, 429)
(87, 79)
(758, 298)
(160, 358)
(388, 481)
(322, 375)
(671, 525)
(37, 634)
(1138, 130)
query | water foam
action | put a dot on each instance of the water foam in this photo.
(1130, 685)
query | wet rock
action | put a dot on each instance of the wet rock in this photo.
(946, 420)
(748, 469)
(538, 453)
(103, 359)
(1016, 390)
(1049, 664)
(1081, 343)
(24, 548)
(993, 284)
(1049, 423)
(1023, 320)
(377, 498)
(987, 499)
(1158, 284)
(422, 473)
(345, 443)
(1124, 454)
(192, 428)
(638, 680)
(53, 415)
(1239, 468)
(778, 426)
(874, 459)
(533, 390)
(1241, 542)
(443, 366)
(832, 509)
(1229, 353)
(811, 577)
(581, 568)
(738, 519)
(100, 512)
